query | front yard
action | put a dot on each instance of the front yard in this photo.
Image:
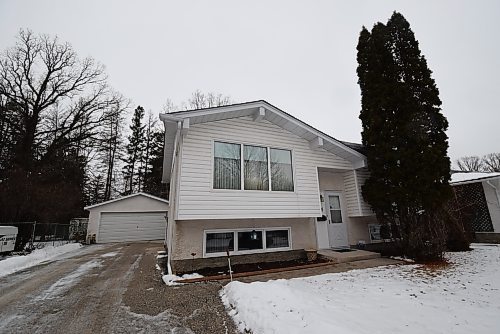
(462, 297)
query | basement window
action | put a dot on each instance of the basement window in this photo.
(246, 241)
(219, 242)
(374, 231)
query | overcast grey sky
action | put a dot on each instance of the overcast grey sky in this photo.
(297, 55)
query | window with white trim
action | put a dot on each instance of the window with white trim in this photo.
(374, 231)
(250, 240)
(227, 166)
(251, 167)
(379, 232)
(277, 239)
(281, 170)
(255, 173)
(246, 241)
(219, 242)
(335, 209)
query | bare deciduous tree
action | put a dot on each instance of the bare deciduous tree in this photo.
(55, 107)
(470, 164)
(198, 100)
(63, 99)
(491, 162)
(111, 148)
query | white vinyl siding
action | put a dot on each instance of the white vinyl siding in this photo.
(131, 226)
(363, 174)
(351, 194)
(353, 181)
(198, 199)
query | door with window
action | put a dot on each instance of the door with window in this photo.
(337, 227)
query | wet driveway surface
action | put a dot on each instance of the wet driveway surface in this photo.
(84, 293)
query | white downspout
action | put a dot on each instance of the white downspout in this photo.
(173, 202)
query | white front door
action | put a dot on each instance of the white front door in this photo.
(337, 227)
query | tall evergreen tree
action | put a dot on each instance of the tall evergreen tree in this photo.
(153, 177)
(135, 149)
(405, 139)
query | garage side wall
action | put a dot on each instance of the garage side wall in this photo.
(493, 205)
(132, 204)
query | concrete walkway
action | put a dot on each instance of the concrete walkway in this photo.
(347, 256)
(332, 268)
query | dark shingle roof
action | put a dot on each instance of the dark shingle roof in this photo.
(355, 146)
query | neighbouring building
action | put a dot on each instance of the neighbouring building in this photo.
(478, 196)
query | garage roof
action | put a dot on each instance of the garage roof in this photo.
(125, 197)
(469, 177)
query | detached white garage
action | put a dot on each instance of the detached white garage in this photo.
(137, 217)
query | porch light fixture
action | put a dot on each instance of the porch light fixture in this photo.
(253, 236)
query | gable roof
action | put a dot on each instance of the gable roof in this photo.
(271, 114)
(125, 197)
(469, 177)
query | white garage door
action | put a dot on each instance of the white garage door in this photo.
(131, 226)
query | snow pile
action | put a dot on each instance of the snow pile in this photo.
(463, 297)
(16, 263)
(462, 177)
(177, 280)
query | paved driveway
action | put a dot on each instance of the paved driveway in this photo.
(83, 293)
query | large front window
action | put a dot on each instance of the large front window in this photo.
(263, 168)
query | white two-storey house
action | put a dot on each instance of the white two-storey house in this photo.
(254, 181)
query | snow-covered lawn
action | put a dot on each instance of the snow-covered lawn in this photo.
(461, 298)
(13, 264)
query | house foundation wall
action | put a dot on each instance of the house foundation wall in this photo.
(189, 235)
(487, 237)
(187, 266)
(358, 229)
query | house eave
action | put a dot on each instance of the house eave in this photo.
(274, 115)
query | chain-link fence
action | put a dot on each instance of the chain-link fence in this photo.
(33, 235)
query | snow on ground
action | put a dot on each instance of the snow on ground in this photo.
(177, 280)
(463, 297)
(65, 283)
(110, 254)
(16, 263)
(56, 243)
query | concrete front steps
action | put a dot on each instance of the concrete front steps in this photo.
(343, 256)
